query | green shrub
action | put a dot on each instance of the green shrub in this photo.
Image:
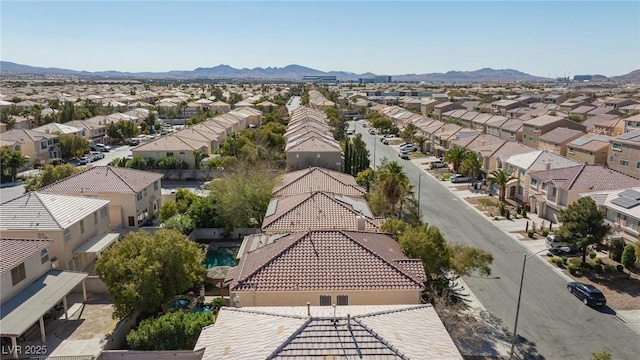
(616, 249)
(564, 259)
(620, 268)
(628, 256)
(558, 261)
(575, 261)
(545, 232)
(597, 268)
(524, 212)
(530, 233)
(609, 268)
(598, 260)
(507, 215)
(573, 269)
(592, 255)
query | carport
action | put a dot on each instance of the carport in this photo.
(30, 305)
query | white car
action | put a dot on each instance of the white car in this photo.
(103, 147)
(459, 178)
(97, 155)
(408, 148)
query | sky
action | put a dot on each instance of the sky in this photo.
(543, 38)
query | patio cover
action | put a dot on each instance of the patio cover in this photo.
(97, 244)
(26, 308)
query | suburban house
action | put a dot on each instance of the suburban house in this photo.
(325, 267)
(254, 116)
(325, 332)
(57, 129)
(427, 131)
(134, 195)
(318, 101)
(553, 190)
(442, 108)
(522, 165)
(495, 154)
(39, 147)
(534, 128)
(95, 133)
(589, 149)
(441, 138)
(69, 222)
(557, 139)
(624, 153)
(313, 150)
(219, 107)
(427, 106)
(632, 123)
(30, 290)
(622, 211)
(605, 124)
(317, 179)
(318, 210)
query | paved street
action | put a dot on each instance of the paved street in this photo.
(552, 322)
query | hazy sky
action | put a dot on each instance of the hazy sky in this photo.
(544, 38)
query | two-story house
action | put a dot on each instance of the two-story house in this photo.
(557, 139)
(134, 195)
(522, 165)
(624, 153)
(534, 128)
(39, 147)
(68, 221)
(589, 149)
(553, 190)
(622, 211)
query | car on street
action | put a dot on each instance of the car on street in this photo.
(102, 147)
(459, 178)
(372, 132)
(589, 294)
(437, 164)
(85, 160)
(385, 141)
(97, 155)
(553, 243)
(351, 132)
(364, 125)
(404, 155)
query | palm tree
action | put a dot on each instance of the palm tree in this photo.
(394, 183)
(13, 160)
(501, 177)
(456, 156)
(197, 157)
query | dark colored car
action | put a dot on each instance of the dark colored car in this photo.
(589, 294)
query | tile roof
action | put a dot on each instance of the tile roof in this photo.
(104, 180)
(607, 198)
(150, 355)
(590, 142)
(372, 332)
(302, 260)
(587, 177)
(538, 160)
(560, 135)
(543, 120)
(40, 211)
(15, 251)
(317, 210)
(317, 179)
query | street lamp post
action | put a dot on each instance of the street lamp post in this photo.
(374, 152)
(419, 192)
(524, 263)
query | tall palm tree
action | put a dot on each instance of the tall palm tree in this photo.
(501, 178)
(13, 160)
(456, 156)
(394, 183)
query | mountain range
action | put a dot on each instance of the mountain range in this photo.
(287, 73)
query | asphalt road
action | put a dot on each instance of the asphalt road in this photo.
(553, 324)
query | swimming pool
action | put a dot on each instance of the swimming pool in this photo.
(224, 256)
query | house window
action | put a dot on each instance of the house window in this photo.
(145, 192)
(43, 145)
(325, 300)
(342, 300)
(67, 234)
(638, 165)
(499, 165)
(169, 154)
(544, 186)
(534, 183)
(44, 255)
(132, 221)
(536, 129)
(572, 150)
(18, 274)
(616, 146)
(553, 193)
(155, 186)
(610, 158)
(103, 212)
(139, 196)
(95, 218)
(521, 173)
(81, 226)
(512, 134)
(624, 162)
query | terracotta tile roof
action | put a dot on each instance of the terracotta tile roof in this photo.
(560, 135)
(374, 332)
(317, 179)
(599, 119)
(15, 251)
(587, 177)
(103, 180)
(326, 260)
(312, 143)
(317, 210)
(543, 120)
(590, 142)
(150, 355)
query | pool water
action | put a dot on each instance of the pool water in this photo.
(202, 308)
(225, 256)
(178, 304)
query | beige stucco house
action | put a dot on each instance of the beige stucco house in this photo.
(557, 139)
(534, 128)
(67, 221)
(39, 147)
(134, 195)
(331, 267)
(624, 153)
(589, 149)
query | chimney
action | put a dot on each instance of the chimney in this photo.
(308, 309)
(547, 165)
(361, 222)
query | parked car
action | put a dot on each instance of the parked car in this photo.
(85, 160)
(102, 147)
(404, 155)
(364, 125)
(589, 294)
(351, 132)
(97, 155)
(553, 243)
(437, 164)
(372, 132)
(385, 141)
(409, 147)
(459, 178)
(134, 142)
(382, 138)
